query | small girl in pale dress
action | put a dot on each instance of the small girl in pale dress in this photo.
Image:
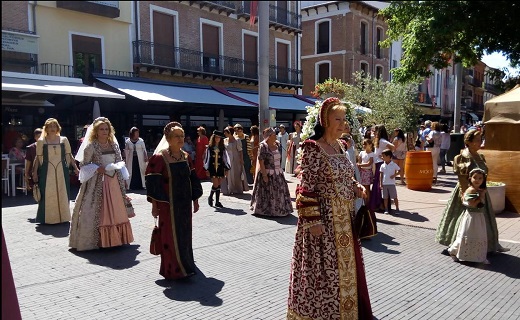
(366, 164)
(471, 242)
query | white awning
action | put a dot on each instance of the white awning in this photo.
(473, 116)
(276, 101)
(148, 91)
(27, 85)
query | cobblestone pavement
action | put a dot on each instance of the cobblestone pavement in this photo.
(244, 265)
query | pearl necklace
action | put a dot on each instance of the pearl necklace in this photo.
(175, 158)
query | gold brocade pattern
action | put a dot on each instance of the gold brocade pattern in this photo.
(346, 258)
(309, 212)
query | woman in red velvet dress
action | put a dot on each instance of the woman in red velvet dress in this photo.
(327, 273)
(174, 189)
(200, 150)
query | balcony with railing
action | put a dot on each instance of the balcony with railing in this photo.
(491, 88)
(475, 82)
(279, 18)
(221, 6)
(186, 61)
(63, 70)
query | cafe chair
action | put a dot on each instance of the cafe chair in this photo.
(5, 176)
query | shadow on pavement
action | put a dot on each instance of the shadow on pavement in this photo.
(243, 196)
(236, 212)
(197, 288)
(379, 243)
(408, 215)
(287, 220)
(60, 230)
(122, 257)
(19, 200)
(502, 263)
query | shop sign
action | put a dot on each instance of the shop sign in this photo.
(11, 109)
(19, 42)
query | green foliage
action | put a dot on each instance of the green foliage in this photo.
(392, 103)
(433, 32)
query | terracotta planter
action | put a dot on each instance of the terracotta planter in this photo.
(497, 195)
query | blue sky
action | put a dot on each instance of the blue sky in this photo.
(497, 60)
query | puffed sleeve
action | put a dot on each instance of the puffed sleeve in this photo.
(306, 198)
(68, 149)
(154, 179)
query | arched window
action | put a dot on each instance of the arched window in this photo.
(379, 50)
(379, 72)
(364, 68)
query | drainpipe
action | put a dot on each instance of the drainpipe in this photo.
(373, 46)
(33, 11)
(136, 18)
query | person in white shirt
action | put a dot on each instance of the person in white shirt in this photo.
(445, 146)
(389, 171)
(283, 138)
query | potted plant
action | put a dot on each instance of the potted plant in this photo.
(497, 195)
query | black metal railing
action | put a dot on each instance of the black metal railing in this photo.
(63, 70)
(475, 82)
(187, 60)
(492, 88)
(277, 15)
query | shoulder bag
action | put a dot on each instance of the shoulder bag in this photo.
(365, 223)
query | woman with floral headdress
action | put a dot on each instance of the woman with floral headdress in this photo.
(102, 210)
(327, 273)
(271, 196)
(173, 188)
(51, 174)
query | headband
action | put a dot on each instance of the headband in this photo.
(169, 127)
(477, 170)
(325, 108)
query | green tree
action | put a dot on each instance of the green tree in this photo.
(392, 103)
(433, 32)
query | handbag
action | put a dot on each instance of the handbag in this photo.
(155, 242)
(36, 193)
(365, 223)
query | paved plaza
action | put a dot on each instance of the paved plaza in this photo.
(244, 265)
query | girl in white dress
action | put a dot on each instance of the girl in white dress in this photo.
(366, 165)
(471, 241)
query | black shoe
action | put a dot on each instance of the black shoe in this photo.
(445, 252)
(219, 205)
(210, 202)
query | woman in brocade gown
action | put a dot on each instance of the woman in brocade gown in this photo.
(100, 218)
(327, 273)
(200, 151)
(467, 160)
(235, 182)
(51, 174)
(271, 196)
(173, 189)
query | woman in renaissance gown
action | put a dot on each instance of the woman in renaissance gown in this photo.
(235, 182)
(100, 218)
(173, 189)
(51, 174)
(327, 273)
(468, 159)
(292, 147)
(135, 158)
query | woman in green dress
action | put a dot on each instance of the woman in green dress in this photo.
(467, 160)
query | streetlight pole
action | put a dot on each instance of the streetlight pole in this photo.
(263, 64)
(458, 93)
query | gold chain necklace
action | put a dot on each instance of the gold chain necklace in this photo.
(333, 145)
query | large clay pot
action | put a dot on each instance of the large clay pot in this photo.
(419, 170)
